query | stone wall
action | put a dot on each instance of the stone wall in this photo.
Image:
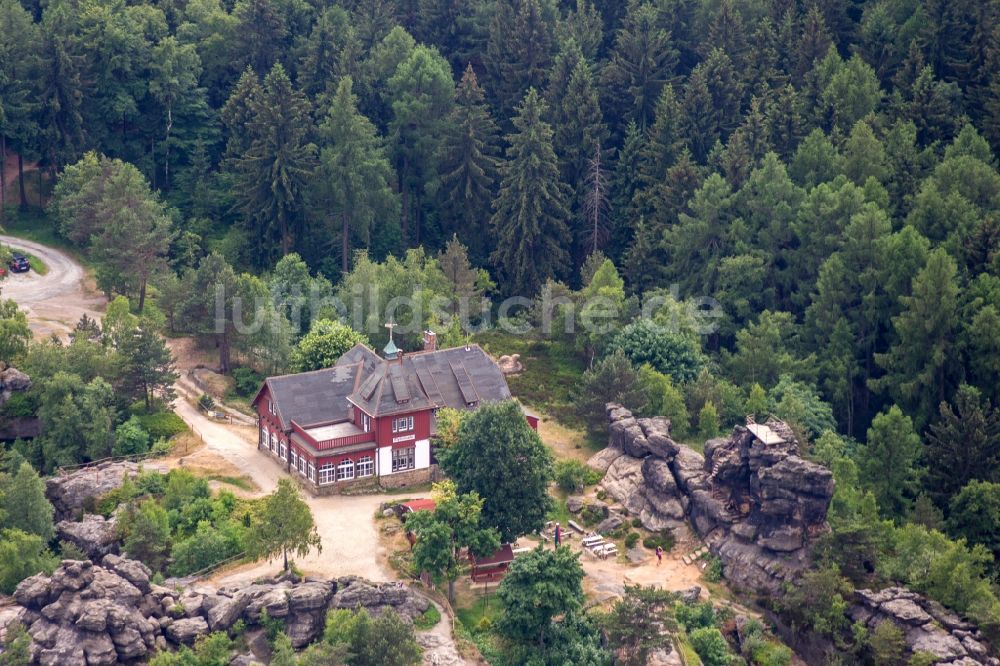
(89, 614)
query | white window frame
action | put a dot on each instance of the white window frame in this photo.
(345, 470)
(366, 466)
(294, 458)
(312, 472)
(302, 464)
(282, 449)
(366, 422)
(270, 406)
(402, 462)
(271, 442)
(402, 424)
(327, 473)
(264, 435)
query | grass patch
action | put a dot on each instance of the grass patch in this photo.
(552, 372)
(428, 619)
(241, 482)
(559, 513)
(481, 614)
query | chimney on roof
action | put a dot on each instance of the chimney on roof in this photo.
(430, 341)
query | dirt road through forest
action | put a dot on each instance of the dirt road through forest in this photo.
(55, 301)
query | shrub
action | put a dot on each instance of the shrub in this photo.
(573, 475)
(247, 381)
(713, 572)
(205, 401)
(631, 539)
(664, 539)
(696, 615)
(428, 619)
(162, 425)
(20, 404)
(636, 522)
(711, 646)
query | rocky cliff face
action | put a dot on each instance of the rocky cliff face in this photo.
(759, 507)
(926, 625)
(13, 381)
(89, 614)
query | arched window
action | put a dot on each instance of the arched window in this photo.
(345, 470)
(326, 473)
(366, 466)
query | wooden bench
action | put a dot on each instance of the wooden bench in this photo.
(591, 541)
(574, 526)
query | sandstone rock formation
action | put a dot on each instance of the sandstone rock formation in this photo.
(760, 507)
(926, 626)
(757, 506)
(96, 536)
(13, 381)
(70, 493)
(86, 614)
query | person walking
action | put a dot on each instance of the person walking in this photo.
(659, 556)
(558, 535)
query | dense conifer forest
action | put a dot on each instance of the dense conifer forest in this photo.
(822, 177)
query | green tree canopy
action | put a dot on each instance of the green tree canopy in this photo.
(499, 457)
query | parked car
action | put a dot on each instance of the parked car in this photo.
(19, 263)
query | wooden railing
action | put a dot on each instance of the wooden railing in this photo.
(334, 443)
(345, 441)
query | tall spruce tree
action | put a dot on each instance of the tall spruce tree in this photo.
(273, 173)
(921, 371)
(469, 164)
(421, 91)
(532, 208)
(354, 179)
(643, 60)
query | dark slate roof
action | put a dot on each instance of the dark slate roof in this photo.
(460, 377)
(311, 398)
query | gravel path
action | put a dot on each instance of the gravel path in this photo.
(55, 301)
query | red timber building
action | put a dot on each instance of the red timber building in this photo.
(370, 417)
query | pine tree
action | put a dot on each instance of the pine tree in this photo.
(19, 42)
(962, 445)
(272, 174)
(521, 48)
(60, 91)
(786, 126)
(421, 91)
(532, 207)
(330, 52)
(354, 176)
(585, 26)
(237, 113)
(889, 461)
(664, 142)
(579, 129)
(469, 164)
(625, 182)
(728, 33)
(920, 367)
(812, 43)
(261, 32)
(643, 60)
(23, 505)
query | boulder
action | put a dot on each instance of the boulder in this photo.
(624, 480)
(12, 379)
(96, 536)
(601, 460)
(133, 571)
(186, 631)
(70, 492)
(310, 596)
(609, 524)
(657, 475)
(688, 467)
(574, 504)
(223, 612)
